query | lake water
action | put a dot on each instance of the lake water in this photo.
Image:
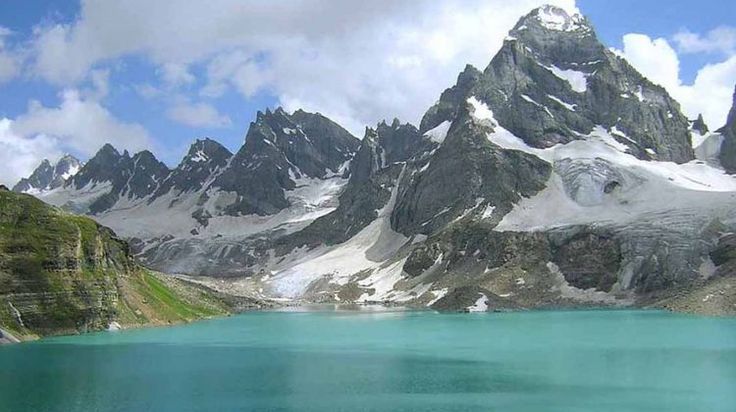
(386, 361)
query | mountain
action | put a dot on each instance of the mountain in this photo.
(48, 177)
(280, 150)
(727, 153)
(107, 179)
(204, 158)
(553, 82)
(61, 273)
(556, 176)
(551, 183)
(204, 215)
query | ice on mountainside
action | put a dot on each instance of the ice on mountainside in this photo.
(577, 80)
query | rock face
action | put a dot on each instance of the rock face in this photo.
(728, 147)
(122, 177)
(699, 125)
(491, 178)
(48, 176)
(61, 273)
(374, 171)
(280, 149)
(553, 81)
(556, 176)
(203, 160)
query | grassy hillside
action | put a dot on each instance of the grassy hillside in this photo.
(61, 273)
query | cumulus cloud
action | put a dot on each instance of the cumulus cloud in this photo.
(197, 115)
(19, 155)
(79, 124)
(721, 39)
(354, 60)
(709, 94)
(654, 58)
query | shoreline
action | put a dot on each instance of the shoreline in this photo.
(367, 307)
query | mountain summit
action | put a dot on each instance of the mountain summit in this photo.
(553, 82)
(48, 176)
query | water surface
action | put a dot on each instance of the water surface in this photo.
(382, 361)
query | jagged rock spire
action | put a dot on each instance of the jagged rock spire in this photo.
(699, 125)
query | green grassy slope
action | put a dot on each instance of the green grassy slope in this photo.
(61, 273)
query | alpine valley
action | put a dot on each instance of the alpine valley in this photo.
(557, 176)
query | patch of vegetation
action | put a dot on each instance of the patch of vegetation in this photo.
(65, 273)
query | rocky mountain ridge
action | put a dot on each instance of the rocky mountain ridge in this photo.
(49, 176)
(558, 175)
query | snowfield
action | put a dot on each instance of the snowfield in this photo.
(368, 251)
(576, 192)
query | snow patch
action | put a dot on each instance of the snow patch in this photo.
(437, 295)
(568, 106)
(532, 101)
(480, 305)
(200, 156)
(577, 80)
(439, 133)
(73, 170)
(367, 251)
(555, 18)
(488, 212)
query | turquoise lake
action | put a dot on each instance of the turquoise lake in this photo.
(327, 360)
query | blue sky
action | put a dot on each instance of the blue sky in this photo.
(156, 76)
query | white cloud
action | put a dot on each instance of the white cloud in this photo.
(100, 82)
(654, 58)
(176, 74)
(709, 94)
(197, 115)
(721, 39)
(356, 60)
(148, 91)
(81, 125)
(237, 69)
(19, 155)
(9, 61)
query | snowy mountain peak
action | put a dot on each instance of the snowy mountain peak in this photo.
(49, 176)
(204, 150)
(557, 18)
(552, 19)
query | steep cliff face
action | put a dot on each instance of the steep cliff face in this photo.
(727, 154)
(61, 273)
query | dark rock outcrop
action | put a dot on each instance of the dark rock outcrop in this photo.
(728, 147)
(204, 158)
(279, 149)
(699, 125)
